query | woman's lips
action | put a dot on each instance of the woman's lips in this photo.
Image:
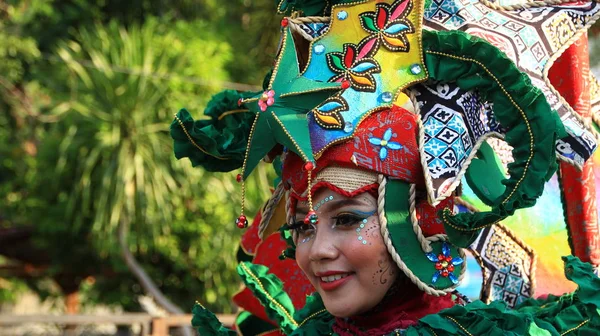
(332, 282)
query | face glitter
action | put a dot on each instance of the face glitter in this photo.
(362, 226)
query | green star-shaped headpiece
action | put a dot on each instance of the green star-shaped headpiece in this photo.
(281, 111)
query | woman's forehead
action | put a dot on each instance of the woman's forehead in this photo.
(326, 199)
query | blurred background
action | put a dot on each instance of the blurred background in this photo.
(96, 215)
(92, 201)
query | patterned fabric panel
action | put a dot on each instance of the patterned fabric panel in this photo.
(508, 266)
(533, 38)
(454, 121)
(314, 29)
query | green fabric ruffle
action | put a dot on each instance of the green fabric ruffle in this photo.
(313, 318)
(217, 144)
(575, 313)
(206, 323)
(268, 289)
(519, 107)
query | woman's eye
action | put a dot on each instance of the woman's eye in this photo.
(301, 227)
(347, 219)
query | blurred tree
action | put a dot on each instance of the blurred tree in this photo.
(84, 148)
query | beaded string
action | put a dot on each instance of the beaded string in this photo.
(242, 221)
(311, 216)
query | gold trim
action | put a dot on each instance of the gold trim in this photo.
(194, 142)
(287, 314)
(225, 114)
(312, 316)
(459, 325)
(575, 328)
(304, 157)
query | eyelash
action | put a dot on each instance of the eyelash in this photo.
(300, 227)
(350, 218)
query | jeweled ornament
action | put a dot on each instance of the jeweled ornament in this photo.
(241, 222)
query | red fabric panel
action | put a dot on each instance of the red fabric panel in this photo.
(570, 76)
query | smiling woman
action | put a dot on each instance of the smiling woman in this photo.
(345, 253)
(373, 132)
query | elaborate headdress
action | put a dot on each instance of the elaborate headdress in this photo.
(368, 87)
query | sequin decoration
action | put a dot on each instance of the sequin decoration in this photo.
(386, 97)
(319, 49)
(323, 201)
(358, 229)
(348, 127)
(416, 69)
(342, 15)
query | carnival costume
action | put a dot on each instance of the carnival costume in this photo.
(399, 98)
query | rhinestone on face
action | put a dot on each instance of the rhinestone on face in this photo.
(415, 69)
(319, 49)
(342, 15)
(348, 127)
(386, 97)
(360, 238)
(364, 242)
(362, 226)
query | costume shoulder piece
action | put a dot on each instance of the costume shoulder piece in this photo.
(555, 315)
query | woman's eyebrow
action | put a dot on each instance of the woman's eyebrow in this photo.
(345, 202)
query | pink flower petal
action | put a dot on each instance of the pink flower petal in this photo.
(399, 10)
(367, 47)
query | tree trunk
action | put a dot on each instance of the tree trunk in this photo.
(145, 281)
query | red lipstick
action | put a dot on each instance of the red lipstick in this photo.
(332, 285)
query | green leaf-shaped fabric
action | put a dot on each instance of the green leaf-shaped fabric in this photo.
(207, 323)
(217, 144)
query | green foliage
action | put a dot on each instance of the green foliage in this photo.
(87, 92)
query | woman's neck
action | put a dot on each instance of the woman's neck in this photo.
(402, 308)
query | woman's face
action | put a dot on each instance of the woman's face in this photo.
(344, 256)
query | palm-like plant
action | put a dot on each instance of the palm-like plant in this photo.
(123, 97)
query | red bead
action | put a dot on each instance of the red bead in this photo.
(309, 166)
(311, 218)
(284, 22)
(441, 257)
(450, 268)
(241, 222)
(240, 101)
(438, 266)
(345, 84)
(449, 259)
(238, 178)
(445, 273)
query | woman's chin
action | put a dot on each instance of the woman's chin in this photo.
(340, 309)
(344, 304)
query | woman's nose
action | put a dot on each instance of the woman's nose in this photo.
(323, 246)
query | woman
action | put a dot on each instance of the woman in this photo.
(375, 129)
